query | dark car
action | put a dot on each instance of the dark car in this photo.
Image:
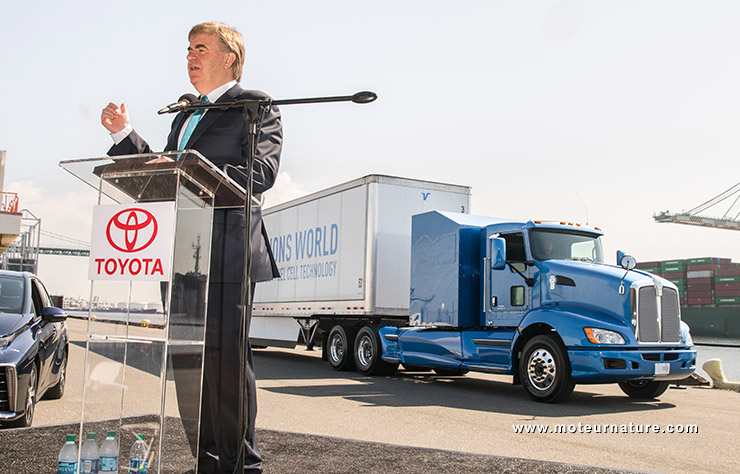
(34, 344)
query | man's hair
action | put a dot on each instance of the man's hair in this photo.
(230, 40)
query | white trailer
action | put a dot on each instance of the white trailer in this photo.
(344, 257)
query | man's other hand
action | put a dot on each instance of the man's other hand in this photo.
(114, 119)
(160, 159)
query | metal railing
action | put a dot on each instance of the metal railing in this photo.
(9, 202)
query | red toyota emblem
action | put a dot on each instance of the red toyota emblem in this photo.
(131, 230)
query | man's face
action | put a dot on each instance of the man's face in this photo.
(208, 66)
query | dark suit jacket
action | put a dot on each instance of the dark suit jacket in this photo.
(221, 136)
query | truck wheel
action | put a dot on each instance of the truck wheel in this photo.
(449, 372)
(643, 389)
(545, 370)
(369, 353)
(341, 341)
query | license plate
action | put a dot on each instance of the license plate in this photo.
(662, 368)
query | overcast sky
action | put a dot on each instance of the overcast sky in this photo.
(592, 111)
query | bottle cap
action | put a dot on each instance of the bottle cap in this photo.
(70, 437)
(140, 436)
(110, 434)
(91, 436)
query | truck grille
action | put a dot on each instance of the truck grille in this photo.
(4, 390)
(658, 317)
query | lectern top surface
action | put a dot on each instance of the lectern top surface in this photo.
(158, 177)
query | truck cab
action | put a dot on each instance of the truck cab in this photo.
(537, 300)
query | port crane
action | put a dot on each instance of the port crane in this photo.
(694, 217)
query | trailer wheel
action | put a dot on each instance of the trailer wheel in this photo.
(545, 370)
(339, 349)
(369, 353)
(643, 389)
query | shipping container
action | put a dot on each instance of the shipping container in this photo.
(699, 301)
(672, 268)
(674, 275)
(699, 293)
(735, 300)
(679, 282)
(727, 279)
(726, 293)
(699, 274)
(728, 272)
(654, 270)
(699, 281)
(704, 260)
(706, 266)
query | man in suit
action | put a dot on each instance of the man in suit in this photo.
(215, 60)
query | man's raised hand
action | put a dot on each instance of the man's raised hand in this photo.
(114, 119)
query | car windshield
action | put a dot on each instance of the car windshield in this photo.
(11, 294)
(556, 244)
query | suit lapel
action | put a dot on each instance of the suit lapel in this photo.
(213, 115)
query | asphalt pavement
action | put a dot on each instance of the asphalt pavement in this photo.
(314, 419)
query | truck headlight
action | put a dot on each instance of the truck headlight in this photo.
(603, 336)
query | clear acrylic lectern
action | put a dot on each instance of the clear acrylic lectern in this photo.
(145, 339)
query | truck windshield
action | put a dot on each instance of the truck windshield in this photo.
(555, 244)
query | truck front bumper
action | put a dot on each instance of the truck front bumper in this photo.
(615, 365)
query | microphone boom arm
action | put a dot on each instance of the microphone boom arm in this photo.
(363, 97)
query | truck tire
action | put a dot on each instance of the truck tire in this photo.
(643, 389)
(369, 353)
(340, 344)
(449, 372)
(544, 370)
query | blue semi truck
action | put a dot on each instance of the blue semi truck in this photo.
(382, 271)
(537, 301)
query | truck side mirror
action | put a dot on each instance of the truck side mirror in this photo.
(498, 253)
(628, 262)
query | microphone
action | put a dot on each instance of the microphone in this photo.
(183, 101)
(364, 97)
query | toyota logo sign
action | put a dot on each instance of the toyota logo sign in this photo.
(132, 242)
(131, 230)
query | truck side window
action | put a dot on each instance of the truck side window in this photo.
(517, 296)
(515, 249)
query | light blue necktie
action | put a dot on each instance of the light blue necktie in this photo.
(194, 120)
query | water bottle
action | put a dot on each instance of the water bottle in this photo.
(89, 455)
(137, 460)
(109, 453)
(68, 456)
